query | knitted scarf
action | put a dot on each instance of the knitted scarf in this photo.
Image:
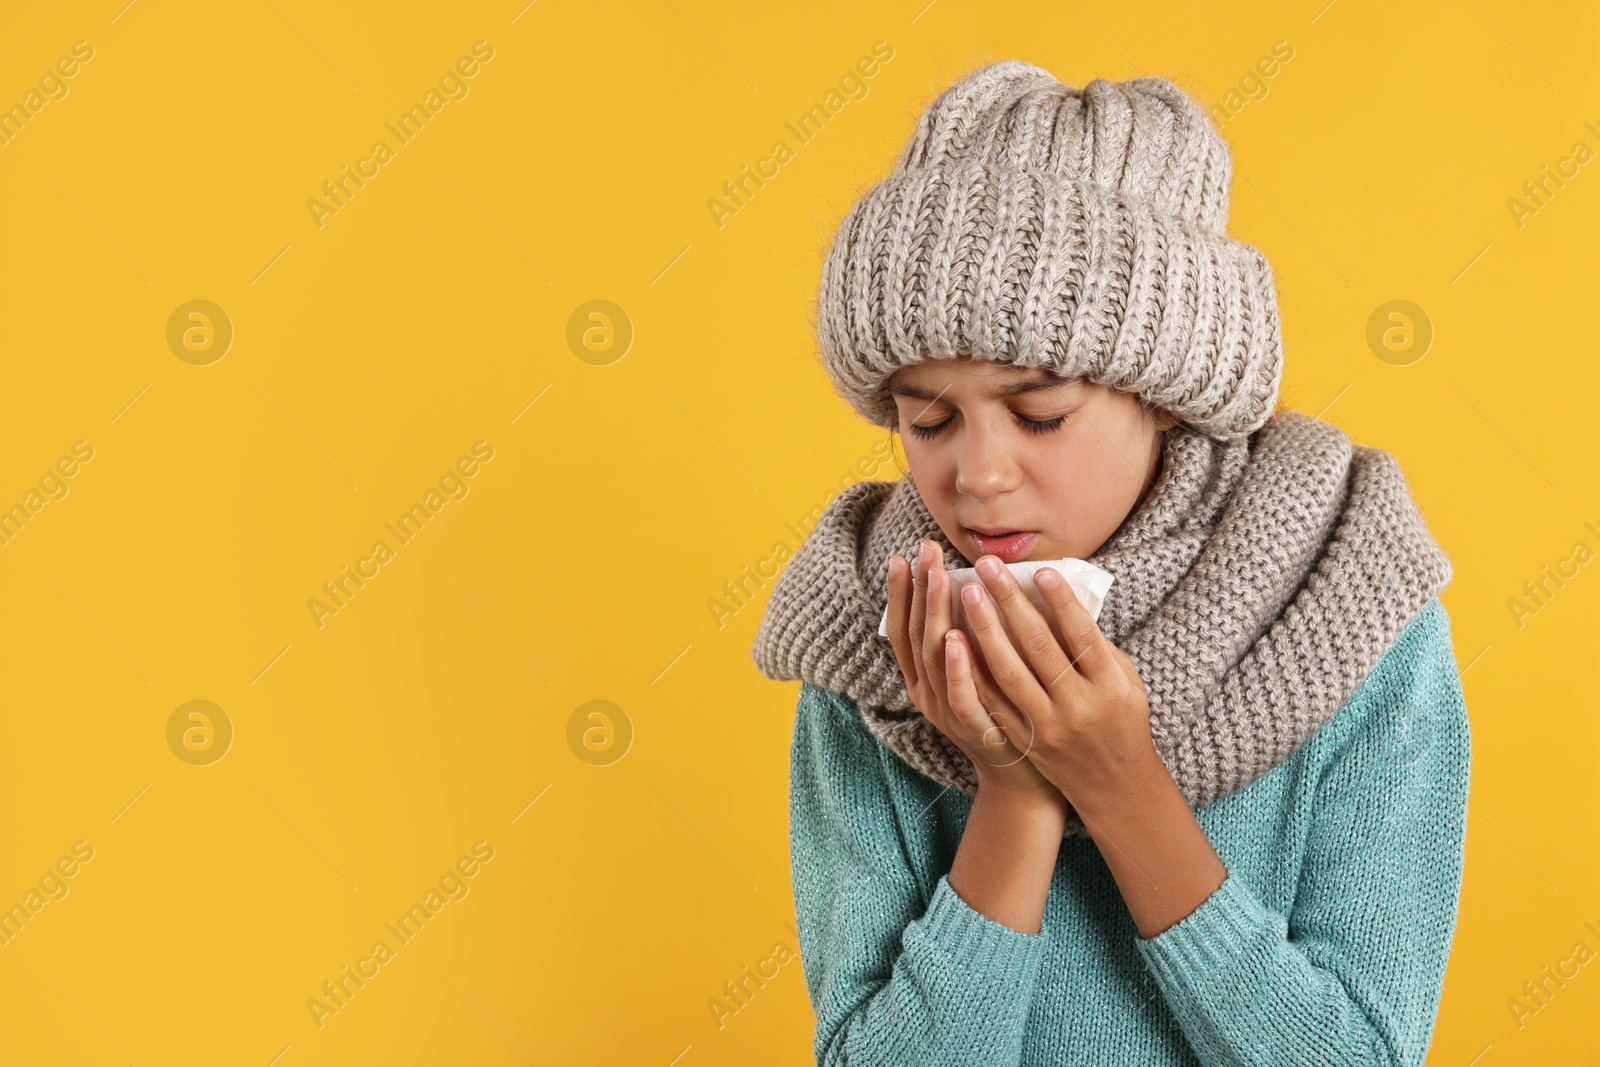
(1256, 586)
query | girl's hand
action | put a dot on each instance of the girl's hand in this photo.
(948, 684)
(1084, 706)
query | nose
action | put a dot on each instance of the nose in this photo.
(986, 467)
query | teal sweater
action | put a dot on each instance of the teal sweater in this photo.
(1325, 945)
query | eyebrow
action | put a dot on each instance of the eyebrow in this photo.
(1025, 386)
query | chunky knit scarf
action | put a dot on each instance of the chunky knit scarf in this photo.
(1256, 586)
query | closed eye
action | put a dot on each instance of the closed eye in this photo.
(1031, 425)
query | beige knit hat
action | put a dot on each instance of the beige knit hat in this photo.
(1079, 230)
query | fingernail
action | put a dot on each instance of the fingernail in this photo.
(989, 567)
(1047, 578)
(972, 592)
(925, 553)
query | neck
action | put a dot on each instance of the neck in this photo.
(1153, 475)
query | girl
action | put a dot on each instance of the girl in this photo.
(1224, 822)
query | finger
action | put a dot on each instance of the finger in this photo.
(1039, 646)
(1088, 650)
(1018, 725)
(919, 588)
(937, 602)
(993, 743)
(899, 614)
(1014, 677)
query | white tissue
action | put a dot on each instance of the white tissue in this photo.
(1088, 582)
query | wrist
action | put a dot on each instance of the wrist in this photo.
(1135, 788)
(1046, 803)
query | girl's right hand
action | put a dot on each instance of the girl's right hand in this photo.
(948, 682)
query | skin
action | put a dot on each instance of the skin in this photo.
(1054, 723)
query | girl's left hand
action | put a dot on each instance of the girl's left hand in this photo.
(1084, 707)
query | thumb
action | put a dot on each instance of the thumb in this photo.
(1125, 661)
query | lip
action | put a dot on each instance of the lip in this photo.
(1009, 548)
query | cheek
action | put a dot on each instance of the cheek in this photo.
(1067, 488)
(936, 484)
(1087, 493)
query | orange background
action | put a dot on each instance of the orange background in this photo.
(640, 858)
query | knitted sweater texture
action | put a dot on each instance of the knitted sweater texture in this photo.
(1325, 945)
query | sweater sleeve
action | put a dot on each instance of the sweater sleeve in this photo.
(1354, 972)
(895, 975)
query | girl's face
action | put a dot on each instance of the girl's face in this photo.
(1020, 463)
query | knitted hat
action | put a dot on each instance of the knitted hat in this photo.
(1082, 231)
